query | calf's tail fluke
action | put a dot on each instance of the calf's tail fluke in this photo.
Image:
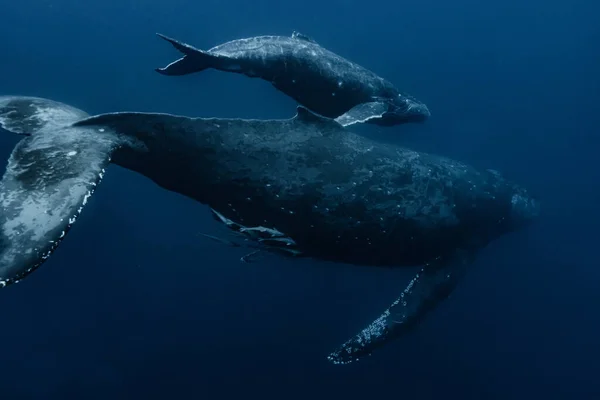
(193, 60)
(49, 178)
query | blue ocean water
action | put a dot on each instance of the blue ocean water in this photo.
(135, 303)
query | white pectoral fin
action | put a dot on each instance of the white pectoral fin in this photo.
(362, 113)
(425, 291)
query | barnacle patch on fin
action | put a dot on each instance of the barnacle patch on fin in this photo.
(424, 292)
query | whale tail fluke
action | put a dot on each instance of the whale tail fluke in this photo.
(50, 175)
(193, 60)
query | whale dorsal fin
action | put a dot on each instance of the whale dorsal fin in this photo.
(301, 36)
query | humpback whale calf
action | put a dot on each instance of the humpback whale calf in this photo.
(315, 77)
(303, 186)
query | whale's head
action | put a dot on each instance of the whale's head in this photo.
(501, 208)
(403, 109)
(516, 210)
(524, 208)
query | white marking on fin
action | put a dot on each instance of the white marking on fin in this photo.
(362, 113)
(45, 187)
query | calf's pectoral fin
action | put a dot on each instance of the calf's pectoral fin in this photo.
(362, 113)
(425, 291)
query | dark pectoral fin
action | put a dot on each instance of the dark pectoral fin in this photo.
(424, 292)
(50, 177)
(362, 113)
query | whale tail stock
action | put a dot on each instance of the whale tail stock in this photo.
(193, 60)
(50, 175)
(53, 171)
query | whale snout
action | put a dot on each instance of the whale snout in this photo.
(418, 111)
(407, 109)
(525, 209)
(403, 109)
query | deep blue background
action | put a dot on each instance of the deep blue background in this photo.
(135, 304)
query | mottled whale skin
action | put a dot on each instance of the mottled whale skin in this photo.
(315, 77)
(305, 183)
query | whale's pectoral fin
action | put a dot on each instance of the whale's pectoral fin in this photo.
(424, 292)
(50, 177)
(363, 113)
(194, 60)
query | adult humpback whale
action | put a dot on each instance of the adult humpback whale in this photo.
(315, 77)
(304, 185)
